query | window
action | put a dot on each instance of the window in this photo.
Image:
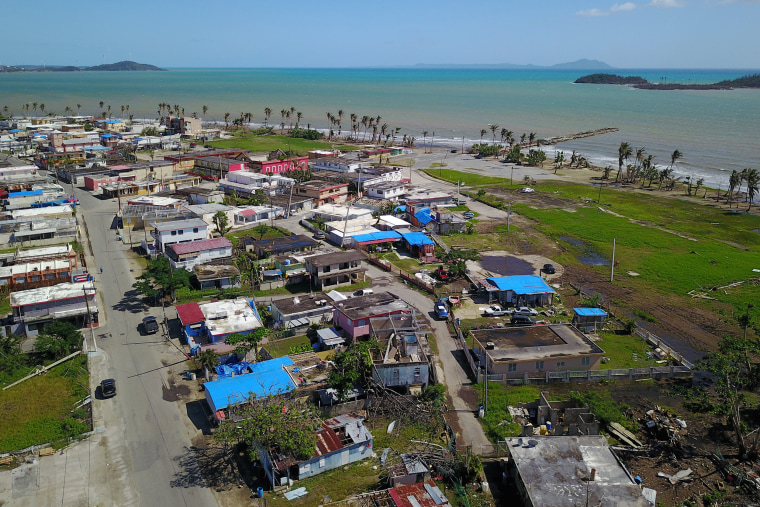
(50, 276)
(181, 231)
(560, 364)
(195, 229)
(585, 361)
(32, 327)
(34, 278)
(417, 372)
(20, 280)
(512, 367)
(4, 281)
(174, 233)
(539, 365)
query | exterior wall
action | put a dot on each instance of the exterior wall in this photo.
(402, 374)
(180, 236)
(315, 315)
(281, 166)
(342, 457)
(551, 364)
(91, 183)
(34, 279)
(189, 261)
(221, 283)
(380, 193)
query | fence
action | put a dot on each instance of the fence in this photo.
(463, 343)
(658, 342)
(659, 372)
(388, 266)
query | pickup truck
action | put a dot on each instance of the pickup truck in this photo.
(496, 311)
(440, 310)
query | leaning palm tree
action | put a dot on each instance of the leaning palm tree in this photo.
(674, 157)
(753, 181)
(494, 127)
(624, 153)
(267, 114)
(531, 138)
(424, 136)
(205, 110)
(734, 181)
(208, 360)
(227, 119)
(42, 109)
(79, 106)
(122, 110)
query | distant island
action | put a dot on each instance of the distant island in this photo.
(749, 81)
(125, 66)
(582, 64)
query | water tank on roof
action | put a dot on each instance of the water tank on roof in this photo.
(287, 262)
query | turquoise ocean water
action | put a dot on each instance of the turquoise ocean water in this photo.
(717, 131)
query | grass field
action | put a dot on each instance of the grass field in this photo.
(38, 410)
(499, 397)
(408, 265)
(280, 348)
(256, 143)
(271, 233)
(467, 179)
(623, 350)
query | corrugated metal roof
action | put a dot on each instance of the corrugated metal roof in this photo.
(190, 313)
(424, 494)
(590, 312)
(200, 245)
(522, 284)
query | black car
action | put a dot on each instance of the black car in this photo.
(522, 320)
(108, 388)
(150, 324)
(548, 269)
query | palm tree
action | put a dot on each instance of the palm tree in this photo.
(753, 180)
(522, 137)
(424, 136)
(267, 114)
(531, 137)
(494, 127)
(79, 106)
(299, 115)
(208, 360)
(127, 108)
(624, 152)
(42, 109)
(205, 110)
(101, 108)
(674, 157)
(482, 133)
(734, 181)
(122, 110)
(227, 119)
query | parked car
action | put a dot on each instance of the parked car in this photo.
(548, 269)
(150, 325)
(468, 214)
(524, 310)
(108, 388)
(319, 235)
(521, 320)
(363, 292)
(441, 311)
(496, 311)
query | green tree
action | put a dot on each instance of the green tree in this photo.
(674, 157)
(753, 180)
(457, 258)
(481, 193)
(159, 279)
(261, 229)
(624, 153)
(734, 181)
(351, 366)
(244, 343)
(208, 360)
(271, 423)
(221, 222)
(58, 339)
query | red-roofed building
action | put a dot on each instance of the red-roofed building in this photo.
(423, 494)
(191, 317)
(196, 253)
(341, 440)
(280, 166)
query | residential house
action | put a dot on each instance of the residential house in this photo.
(33, 308)
(196, 253)
(589, 319)
(296, 204)
(202, 195)
(293, 269)
(41, 232)
(322, 192)
(353, 315)
(35, 274)
(341, 441)
(213, 168)
(207, 212)
(208, 324)
(374, 240)
(250, 215)
(95, 181)
(280, 165)
(541, 349)
(421, 494)
(158, 201)
(179, 231)
(518, 290)
(279, 246)
(391, 223)
(49, 253)
(401, 362)
(584, 471)
(338, 212)
(387, 190)
(559, 417)
(184, 126)
(334, 269)
(302, 311)
(217, 276)
(419, 245)
(425, 197)
(335, 164)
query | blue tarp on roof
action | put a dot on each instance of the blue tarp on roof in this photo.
(266, 378)
(377, 237)
(423, 216)
(24, 193)
(590, 312)
(417, 238)
(400, 208)
(95, 148)
(15, 131)
(113, 121)
(232, 369)
(522, 284)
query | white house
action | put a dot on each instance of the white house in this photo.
(254, 214)
(337, 164)
(179, 231)
(188, 255)
(388, 190)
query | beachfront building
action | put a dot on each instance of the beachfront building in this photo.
(33, 308)
(179, 231)
(518, 290)
(335, 269)
(185, 126)
(353, 315)
(205, 251)
(528, 351)
(281, 165)
(322, 192)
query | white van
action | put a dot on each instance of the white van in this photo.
(363, 292)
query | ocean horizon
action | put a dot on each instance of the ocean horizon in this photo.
(715, 130)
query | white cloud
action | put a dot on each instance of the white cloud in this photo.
(667, 3)
(628, 6)
(591, 12)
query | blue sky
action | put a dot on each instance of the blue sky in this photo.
(252, 33)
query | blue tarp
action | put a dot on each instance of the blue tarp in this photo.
(399, 208)
(266, 378)
(417, 238)
(522, 284)
(25, 193)
(590, 312)
(377, 236)
(424, 216)
(232, 369)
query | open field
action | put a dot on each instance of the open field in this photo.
(39, 410)
(271, 233)
(280, 348)
(466, 178)
(256, 143)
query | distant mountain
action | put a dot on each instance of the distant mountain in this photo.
(583, 64)
(119, 66)
(124, 66)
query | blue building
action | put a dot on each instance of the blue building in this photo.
(519, 290)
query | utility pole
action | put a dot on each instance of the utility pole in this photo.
(612, 267)
(290, 200)
(89, 318)
(509, 214)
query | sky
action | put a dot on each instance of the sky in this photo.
(338, 33)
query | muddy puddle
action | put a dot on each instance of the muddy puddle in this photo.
(588, 256)
(506, 265)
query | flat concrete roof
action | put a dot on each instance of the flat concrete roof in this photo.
(32, 267)
(179, 224)
(372, 305)
(556, 471)
(304, 303)
(238, 316)
(528, 343)
(48, 251)
(52, 293)
(335, 258)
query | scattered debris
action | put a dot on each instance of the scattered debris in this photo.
(296, 493)
(624, 435)
(683, 475)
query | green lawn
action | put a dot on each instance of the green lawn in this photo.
(622, 350)
(280, 348)
(39, 410)
(408, 265)
(271, 233)
(497, 422)
(339, 483)
(468, 179)
(256, 143)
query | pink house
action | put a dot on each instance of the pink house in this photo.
(281, 166)
(95, 182)
(352, 315)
